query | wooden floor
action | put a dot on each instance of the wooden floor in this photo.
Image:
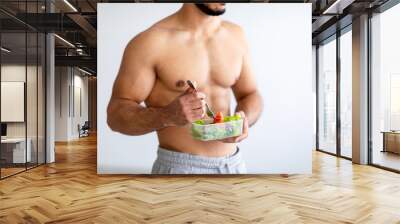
(70, 191)
(5, 172)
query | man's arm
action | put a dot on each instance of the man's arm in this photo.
(133, 85)
(245, 90)
(249, 100)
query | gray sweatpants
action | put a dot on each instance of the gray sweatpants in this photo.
(171, 162)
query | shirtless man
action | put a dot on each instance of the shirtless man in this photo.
(191, 44)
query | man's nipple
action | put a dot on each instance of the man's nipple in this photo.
(180, 83)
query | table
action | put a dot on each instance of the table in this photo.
(13, 150)
(391, 141)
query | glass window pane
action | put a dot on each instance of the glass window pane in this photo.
(13, 88)
(23, 90)
(327, 96)
(32, 87)
(386, 88)
(346, 93)
(32, 95)
(41, 98)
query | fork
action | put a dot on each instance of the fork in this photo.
(210, 113)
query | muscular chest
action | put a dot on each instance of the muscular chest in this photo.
(207, 63)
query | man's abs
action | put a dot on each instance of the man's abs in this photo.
(179, 139)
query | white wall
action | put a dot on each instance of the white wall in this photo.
(80, 103)
(61, 103)
(68, 81)
(280, 43)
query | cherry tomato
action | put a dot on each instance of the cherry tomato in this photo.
(219, 118)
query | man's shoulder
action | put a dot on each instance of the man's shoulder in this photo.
(232, 27)
(235, 31)
(152, 37)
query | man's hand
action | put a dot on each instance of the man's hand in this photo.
(245, 131)
(186, 108)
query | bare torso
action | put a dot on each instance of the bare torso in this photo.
(156, 64)
(213, 61)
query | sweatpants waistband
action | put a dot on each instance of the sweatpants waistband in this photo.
(169, 157)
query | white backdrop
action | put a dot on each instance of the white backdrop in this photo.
(279, 37)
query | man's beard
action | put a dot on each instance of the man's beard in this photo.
(210, 12)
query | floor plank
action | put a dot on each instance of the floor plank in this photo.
(70, 191)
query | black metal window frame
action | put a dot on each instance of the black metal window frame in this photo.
(334, 37)
(44, 76)
(389, 4)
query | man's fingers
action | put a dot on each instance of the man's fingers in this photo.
(194, 84)
(192, 98)
(200, 111)
(245, 126)
(245, 121)
(196, 95)
(245, 132)
(197, 104)
(241, 137)
(197, 114)
(241, 114)
(188, 91)
(236, 139)
(229, 140)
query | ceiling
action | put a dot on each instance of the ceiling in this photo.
(76, 22)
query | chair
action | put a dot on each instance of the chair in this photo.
(84, 130)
